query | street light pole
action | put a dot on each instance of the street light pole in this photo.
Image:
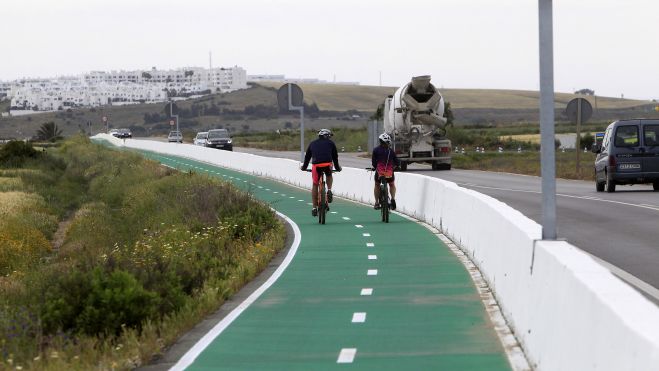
(548, 155)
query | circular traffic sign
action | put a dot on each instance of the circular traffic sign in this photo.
(171, 122)
(297, 97)
(105, 119)
(573, 107)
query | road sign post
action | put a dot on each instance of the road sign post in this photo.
(174, 118)
(548, 155)
(105, 122)
(579, 111)
(291, 98)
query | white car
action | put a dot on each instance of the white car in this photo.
(200, 139)
(175, 136)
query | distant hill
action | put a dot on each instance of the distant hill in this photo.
(365, 98)
(254, 109)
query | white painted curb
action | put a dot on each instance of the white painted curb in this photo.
(567, 311)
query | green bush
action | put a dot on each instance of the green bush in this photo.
(14, 153)
(97, 303)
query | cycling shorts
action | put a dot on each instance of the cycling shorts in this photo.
(390, 180)
(317, 169)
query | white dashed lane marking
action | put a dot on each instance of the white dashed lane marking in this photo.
(370, 244)
(372, 272)
(359, 226)
(346, 218)
(366, 234)
(359, 317)
(366, 292)
(347, 355)
(372, 257)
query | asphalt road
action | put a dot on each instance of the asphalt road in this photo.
(621, 228)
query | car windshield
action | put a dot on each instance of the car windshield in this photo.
(174, 133)
(218, 134)
(202, 135)
(124, 131)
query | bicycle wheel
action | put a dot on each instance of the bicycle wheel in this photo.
(384, 202)
(322, 204)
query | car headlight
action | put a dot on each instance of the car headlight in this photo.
(229, 141)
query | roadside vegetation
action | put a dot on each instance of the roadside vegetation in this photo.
(347, 139)
(147, 253)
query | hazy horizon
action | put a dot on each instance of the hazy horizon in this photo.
(604, 45)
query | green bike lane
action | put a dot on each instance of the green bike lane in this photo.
(358, 294)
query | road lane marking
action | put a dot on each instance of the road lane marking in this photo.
(588, 198)
(372, 272)
(359, 317)
(347, 355)
(372, 257)
(366, 234)
(359, 226)
(370, 244)
(366, 292)
(346, 218)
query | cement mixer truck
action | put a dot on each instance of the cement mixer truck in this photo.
(414, 117)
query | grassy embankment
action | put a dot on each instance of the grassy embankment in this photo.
(148, 252)
(527, 163)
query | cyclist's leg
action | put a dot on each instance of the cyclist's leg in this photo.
(328, 180)
(392, 194)
(376, 191)
(315, 177)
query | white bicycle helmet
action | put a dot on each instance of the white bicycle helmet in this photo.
(325, 133)
(385, 138)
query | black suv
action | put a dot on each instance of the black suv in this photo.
(629, 154)
(219, 138)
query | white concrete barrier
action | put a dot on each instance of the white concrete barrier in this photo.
(567, 311)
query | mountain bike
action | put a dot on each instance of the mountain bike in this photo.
(323, 204)
(384, 197)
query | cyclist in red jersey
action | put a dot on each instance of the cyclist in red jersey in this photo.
(384, 160)
(322, 153)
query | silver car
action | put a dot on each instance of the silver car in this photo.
(200, 139)
(175, 136)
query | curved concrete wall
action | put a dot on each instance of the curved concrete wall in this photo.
(567, 311)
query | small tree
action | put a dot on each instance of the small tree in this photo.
(378, 115)
(49, 132)
(587, 140)
(448, 113)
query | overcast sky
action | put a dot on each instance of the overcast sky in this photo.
(611, 46)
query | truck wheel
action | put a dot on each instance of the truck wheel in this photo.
(446, 167)
(435, 166)
(599, 186)
(655, 185)
(403, 166)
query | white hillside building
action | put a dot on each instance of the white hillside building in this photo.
(99, 88)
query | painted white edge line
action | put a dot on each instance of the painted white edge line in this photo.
(189, 357)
